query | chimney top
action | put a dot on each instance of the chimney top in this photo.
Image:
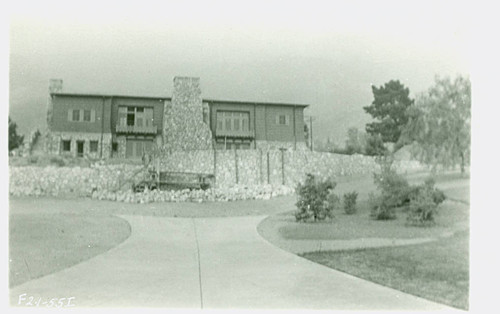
(55, 85)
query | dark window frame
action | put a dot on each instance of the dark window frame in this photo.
(66, 146)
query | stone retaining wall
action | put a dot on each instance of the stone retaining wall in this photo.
(243, 168)
(254, 167)
(82, 181)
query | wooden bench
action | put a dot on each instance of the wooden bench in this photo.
(174, 181)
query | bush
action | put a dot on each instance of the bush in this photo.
(380, 209)
(314, 199)
(393, 186)
(424, 200)
(332, 201)
(350, 202)
(394, 189)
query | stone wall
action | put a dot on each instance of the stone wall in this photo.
(274, 145)
(183, 126)
(233, 169)
(275, 167)
(82, 181)
(53, 142)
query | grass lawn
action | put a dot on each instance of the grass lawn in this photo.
(360, 225)
(44, 243)
(438, 271)
(344, 227)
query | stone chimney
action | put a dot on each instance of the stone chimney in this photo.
(183, 126)
(55, 85)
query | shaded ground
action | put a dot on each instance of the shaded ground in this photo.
(438, 271)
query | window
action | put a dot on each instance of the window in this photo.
(76, 115)
(66, 146)
(135, 116)
(93, 146)
(283, 119)
(86, 115)
(130, 119)
(233, 121)
(114, 147)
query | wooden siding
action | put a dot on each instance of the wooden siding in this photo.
(64, 104)
(263, 119)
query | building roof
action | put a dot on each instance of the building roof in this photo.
(170, 98)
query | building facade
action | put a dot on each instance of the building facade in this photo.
(104, 126)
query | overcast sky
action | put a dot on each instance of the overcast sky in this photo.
(323, 55)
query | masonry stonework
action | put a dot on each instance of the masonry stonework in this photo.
(275, 145)
(54, 142)
(183, 126)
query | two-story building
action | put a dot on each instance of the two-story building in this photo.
(103, 126)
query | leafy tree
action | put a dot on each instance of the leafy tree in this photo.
(439, 125)
(15, 140)
(389, 106)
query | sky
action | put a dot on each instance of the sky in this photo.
(326, 54)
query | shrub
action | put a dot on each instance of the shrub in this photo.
(393, 186)
(332, 201)
(380, 209)
(424, 200)
(314, 200)
(350, 202)
(394, 192)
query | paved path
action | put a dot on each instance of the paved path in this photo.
(210, 263)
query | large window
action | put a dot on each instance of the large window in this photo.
(233, 121)
(135, 116)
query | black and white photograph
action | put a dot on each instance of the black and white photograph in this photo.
(268, 155)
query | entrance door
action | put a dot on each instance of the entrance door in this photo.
(79, 148)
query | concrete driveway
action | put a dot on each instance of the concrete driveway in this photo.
(209, 263)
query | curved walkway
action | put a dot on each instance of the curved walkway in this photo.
(210, 263)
